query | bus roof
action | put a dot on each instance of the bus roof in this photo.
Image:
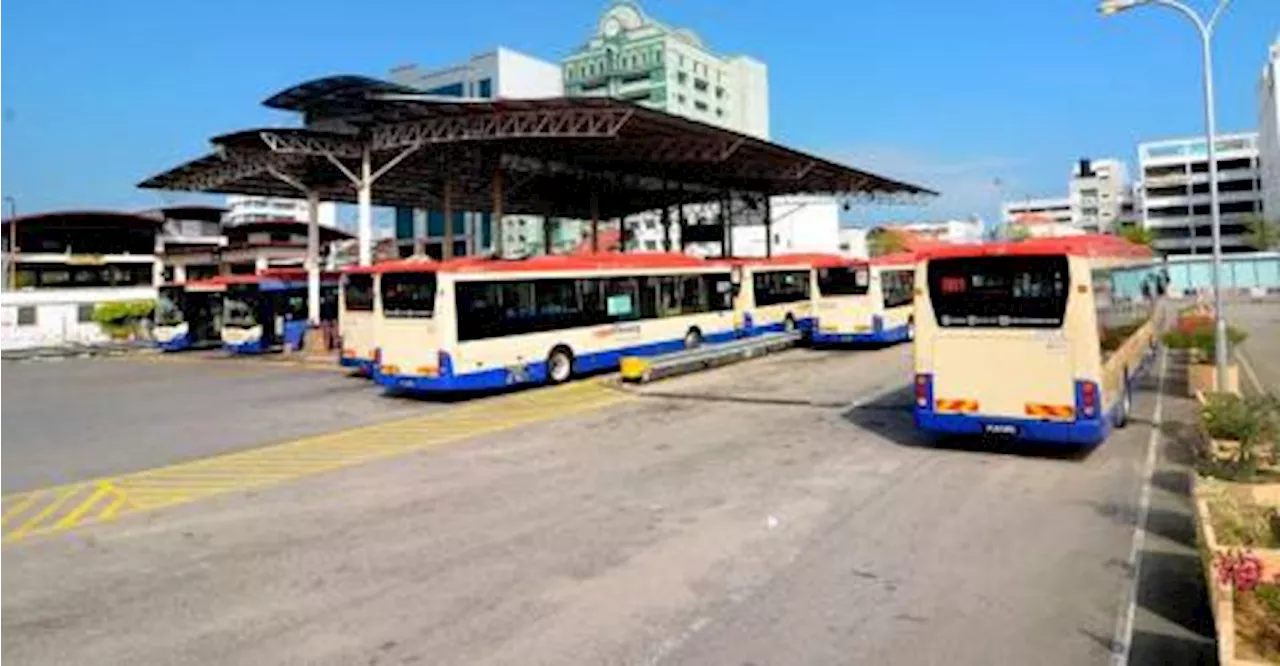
(1087, 245)
(543, 263)
(895, 259)
(815, 259)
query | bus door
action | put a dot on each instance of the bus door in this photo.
(1002, 346)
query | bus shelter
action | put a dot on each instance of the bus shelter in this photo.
(367, 141)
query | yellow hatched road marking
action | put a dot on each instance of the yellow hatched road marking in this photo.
(65, 507)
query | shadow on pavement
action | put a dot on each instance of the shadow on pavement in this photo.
(1152, 649)
(890, 417)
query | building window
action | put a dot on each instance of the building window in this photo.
(700, 105)
(651, 245)
(719, 92)
(681, 77)
(27, 315)
(719, 112)
(700, 84)
(680, 99)
(84, 313)
(485, 89)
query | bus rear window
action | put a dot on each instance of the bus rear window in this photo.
(999, 292)
(842, 281)
(408, 295)
(357, 292)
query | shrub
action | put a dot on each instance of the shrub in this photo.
(122, 317)
(1253, 421)
(1197, 335)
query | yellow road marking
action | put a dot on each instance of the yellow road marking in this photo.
(53, 509)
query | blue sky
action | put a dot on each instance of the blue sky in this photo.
(99, 95)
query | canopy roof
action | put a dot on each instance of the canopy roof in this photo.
(553, 154)
(85, 219)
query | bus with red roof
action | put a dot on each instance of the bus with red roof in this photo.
(860, 301)
(481, 324)
(1039, 340)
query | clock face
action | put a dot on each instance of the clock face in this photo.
(612, 27)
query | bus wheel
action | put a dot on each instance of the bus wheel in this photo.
(789, 324)
(1126, 403)
(559, 365)
(911, 330)
(693, 339)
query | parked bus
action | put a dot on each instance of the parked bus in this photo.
(865, 302)
(469, 324)
(357, 304)
(189, 315)
(1038, 340)
(263, 313)
(774, 294)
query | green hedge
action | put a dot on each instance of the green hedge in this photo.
(122, 317)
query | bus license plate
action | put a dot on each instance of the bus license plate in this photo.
(1003, 429)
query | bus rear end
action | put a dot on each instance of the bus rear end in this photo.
(1003, 349)
(356, 322)
(411, 332)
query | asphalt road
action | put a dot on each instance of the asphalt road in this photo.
(1262, 348)
(782, 511)
(83, 418)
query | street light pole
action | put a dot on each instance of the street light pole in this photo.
(1205, 30)
(13, 242)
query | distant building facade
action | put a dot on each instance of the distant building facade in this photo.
(1099, 192)
(241, 208)
(1175, 197)
(1269, 133)
(498, 74)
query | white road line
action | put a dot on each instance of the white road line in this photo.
(1248, 371)
(1123, 636)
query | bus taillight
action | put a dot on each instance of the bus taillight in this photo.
(923, 383)
(1087, 399)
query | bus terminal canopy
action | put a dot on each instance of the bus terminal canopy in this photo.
(570, 157)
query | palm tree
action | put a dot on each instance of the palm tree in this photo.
(885, 241)
(1137, 235)
(1262, 234)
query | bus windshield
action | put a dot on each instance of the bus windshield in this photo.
(409, 295)
(239, 310)
(842, 281)
(357, 292)
(169, 307)
(999, 292)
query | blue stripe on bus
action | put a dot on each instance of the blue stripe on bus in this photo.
(178, 343)
(247, 347)
(884, 336)
(1087, 432)
(530, 373)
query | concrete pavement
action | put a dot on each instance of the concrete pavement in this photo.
(78, 419)
(1261, 350)
(779, 511)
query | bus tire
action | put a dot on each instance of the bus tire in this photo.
(1126, 402)
(693, 339)
(911, 329)
(559, 365)
(789, 324)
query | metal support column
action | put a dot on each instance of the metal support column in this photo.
(768, 228)
(364, 202)
(595, 221)
(495, 220)
(447, 251)
(546, 233)
(666, 219)
(313, 258)
(681, 221)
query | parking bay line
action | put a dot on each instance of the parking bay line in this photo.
(66, 507)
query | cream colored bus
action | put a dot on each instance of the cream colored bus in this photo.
(865, 302)
(357, 305)
(1037, 340)
(472, 324)
(774, 294)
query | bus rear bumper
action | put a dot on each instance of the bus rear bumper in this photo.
(249, 347)
(476, 381)
(1080, 432)
(884, 336)
(361, 365)
(178, 343)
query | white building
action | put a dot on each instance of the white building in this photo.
(498, 74)
(65, 264)
(1269, 133)
(1053, 209)
(1175, 199)
(853, 243)
(633, 57)
(801, 224)
(1099, 191)
(243, 208)
(945, 231)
